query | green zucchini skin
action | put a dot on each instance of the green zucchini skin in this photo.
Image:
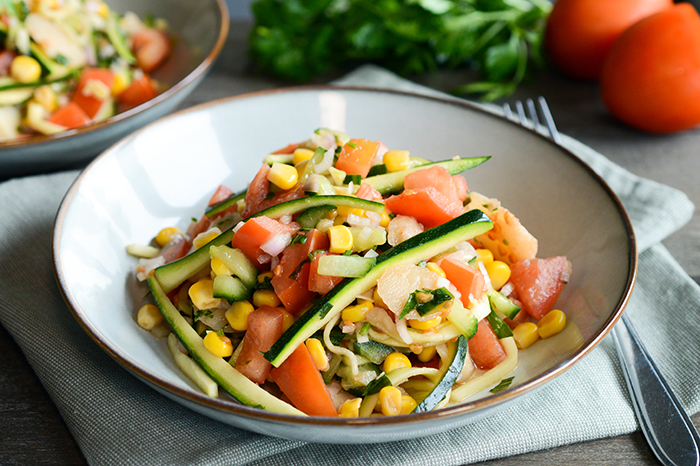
(228, 378)
(390, 183)
(299, 205)
(458, 351)
(420, 247)
(171, 275)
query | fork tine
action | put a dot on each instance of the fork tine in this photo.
(549, 120)
(532, 112)
(507, 111)
(521, 113)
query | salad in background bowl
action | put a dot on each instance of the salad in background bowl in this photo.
(76, 76)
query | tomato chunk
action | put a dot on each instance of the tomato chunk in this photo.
(357, 157)
(265, 326)
(291, 277)
(256, 232)
(70, 115)
(484, 348)
(221, 193)
(139, 91)
(538, 282)
(453, 187)
(427, 205)
(256, 199)
(321, 283)
(94, 89)
(468, 280)
(302, 383)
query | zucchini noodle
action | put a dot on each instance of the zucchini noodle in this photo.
(444, 332)
(490, 377)
(349, 357)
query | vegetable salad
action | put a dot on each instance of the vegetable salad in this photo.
(65, 64)
(351, 280)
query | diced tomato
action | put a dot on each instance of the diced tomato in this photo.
(365, 191)
(175, 249)
(85, 95)
(538, 282)
(453, 187)
(461, 189)
(70, 115)
(468, 280)
(519, 318)
(302, 383)
(321, 283)
(357, 157)
(6, 57)
(287, 150)
(139, 91)
(255, 232)
(484, 348)
(256, 199)
(196, 228)
(151, 47)
(428, 205)
(221, 193)
(265, 326)
(291, 277)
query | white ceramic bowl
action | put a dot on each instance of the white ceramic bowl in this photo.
(165, 174)
(199, 29)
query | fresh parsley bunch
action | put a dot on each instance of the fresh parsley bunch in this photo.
(298, 39)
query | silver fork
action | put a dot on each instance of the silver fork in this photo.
(665, 424)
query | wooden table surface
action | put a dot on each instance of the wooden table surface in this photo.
(33, 433)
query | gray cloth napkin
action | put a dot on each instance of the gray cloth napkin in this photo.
(116, 419)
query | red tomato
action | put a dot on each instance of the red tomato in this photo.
(265, 326)
(357, 157)
(302, 383)
(428, 206)
(484, 348)
(538, 283)
(151, 47)
(255, 232)
(221, 193)
(321, 283)
(256, 199)
(139, 91)
(468, 280)
(70, 115)
(651, 77)
(580, 33)
(85, 96)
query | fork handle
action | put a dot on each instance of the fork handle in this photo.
(670, 433)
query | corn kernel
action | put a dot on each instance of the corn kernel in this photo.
(266, 298)
(433, 267)
(525, 334)
(341, 239)
(46, 97)
(384, 222)
(263, 276)
(25, 69)
(203, 238)
(390, 401)
(344, 211)
(357, 312)
(102, 9)
(318, 353)
(551, 324)
(220, 345)
(408, 404)
(350, 408)
(149, 316)
(287, 320)
(202, 294)
(395, 361)
(219, 268)
(301, 154)
(121, 82)
(499, 273)
(397, 160)
(425, 324)
(166, 234)
(485, 256)
(427, 354)
(237, 315)
(283, 176)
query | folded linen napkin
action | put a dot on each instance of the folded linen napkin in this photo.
(116, 419)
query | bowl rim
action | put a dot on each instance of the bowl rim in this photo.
(202, 68)
(229, 407)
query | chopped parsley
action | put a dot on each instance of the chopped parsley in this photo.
(502, 385)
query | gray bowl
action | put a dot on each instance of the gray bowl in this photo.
(199, 29)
